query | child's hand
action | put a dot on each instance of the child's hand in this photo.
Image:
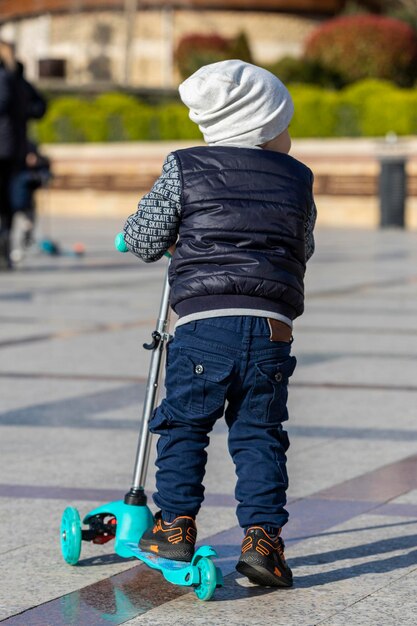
(171, 250)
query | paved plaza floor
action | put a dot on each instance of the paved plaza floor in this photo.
(72, 383)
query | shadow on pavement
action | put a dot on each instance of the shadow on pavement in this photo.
(103, 559)
(348, 531)
(399, 561)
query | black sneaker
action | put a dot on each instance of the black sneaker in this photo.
(262, 559)
(174, 541)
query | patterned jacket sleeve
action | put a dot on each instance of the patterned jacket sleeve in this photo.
(154, 227)
(308, 229)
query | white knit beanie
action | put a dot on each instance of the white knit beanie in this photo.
(237, 103)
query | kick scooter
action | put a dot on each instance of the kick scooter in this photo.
(126, 520)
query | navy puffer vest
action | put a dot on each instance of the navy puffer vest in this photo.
(241, 237)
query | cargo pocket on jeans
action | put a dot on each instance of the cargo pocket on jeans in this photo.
(268, 400)
(208, 376)
(159, 424)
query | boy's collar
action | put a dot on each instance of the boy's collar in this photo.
(233, 145)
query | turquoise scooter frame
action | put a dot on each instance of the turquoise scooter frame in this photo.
(126, 520)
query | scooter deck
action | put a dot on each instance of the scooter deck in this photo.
(155, 561)
(177, 572)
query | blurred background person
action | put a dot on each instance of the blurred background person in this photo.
(7, 148)
(34, 174)
(29, 105)
(32, 169)
(19, 102)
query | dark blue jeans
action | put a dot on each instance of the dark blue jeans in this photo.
(212, 364)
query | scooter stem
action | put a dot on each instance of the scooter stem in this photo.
(160, 337)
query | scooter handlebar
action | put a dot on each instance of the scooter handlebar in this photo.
(119, 243)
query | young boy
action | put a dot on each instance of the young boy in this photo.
(241, 213)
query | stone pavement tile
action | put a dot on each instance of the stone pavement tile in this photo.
(75, 429)
(76, 309)
(67, 408)
(345, 260)
(32, 570)
(371, 322)
(315, 345)
(91, 354)
(12, 332)
(87, 458)
(407, 498)
(31, 566)
(220, 473)
(346, 281)
(18, 394)
(387, 607)
(377, 299)
(335, 462)
(67, 457)
(361, 371)
(68, 430)
(333, 571)
(363, 410)
(371, 307)
(391, 605)
(80, 295)
(95, 418)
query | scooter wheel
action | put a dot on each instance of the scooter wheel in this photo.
(71, 535)
(208, 579)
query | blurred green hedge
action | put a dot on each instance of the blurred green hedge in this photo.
(368, 108)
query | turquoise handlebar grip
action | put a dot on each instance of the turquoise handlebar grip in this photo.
(119, 243)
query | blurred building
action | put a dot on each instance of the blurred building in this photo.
(133, 42)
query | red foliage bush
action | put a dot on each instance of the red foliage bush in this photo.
(366, 46)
